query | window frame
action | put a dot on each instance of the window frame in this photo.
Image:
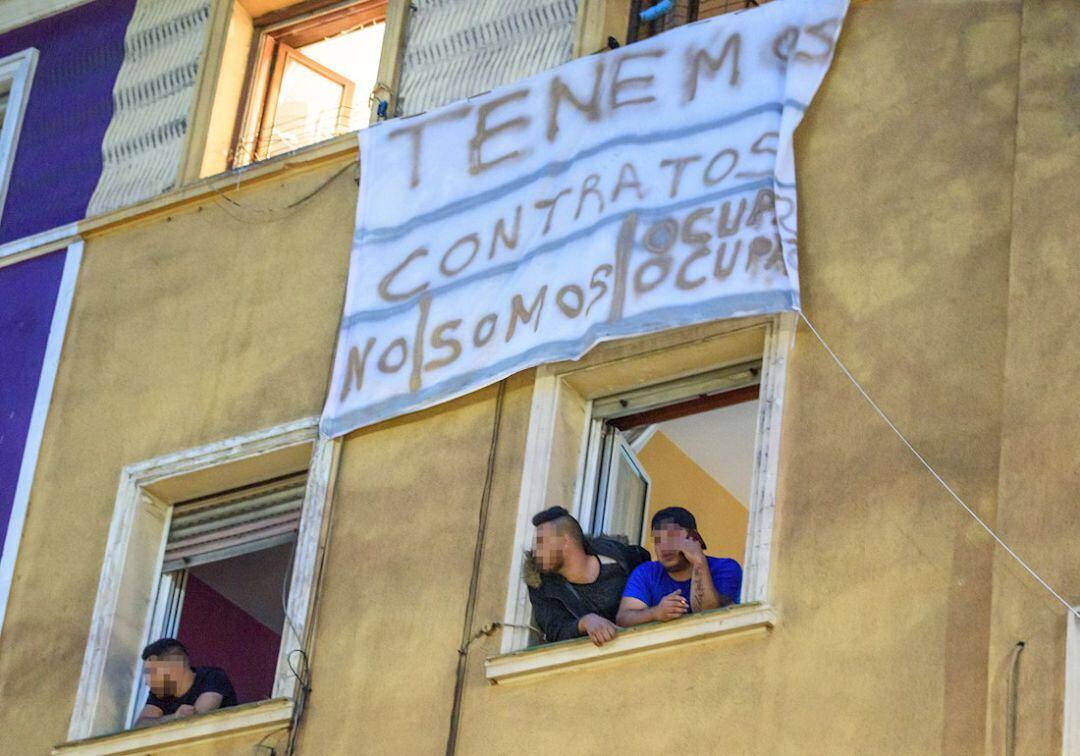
(292, 27)
(19, 68)
(553, 403)
(168, 602)
(125, 605)
(1070, 735)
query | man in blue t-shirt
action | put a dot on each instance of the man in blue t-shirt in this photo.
(682, 579)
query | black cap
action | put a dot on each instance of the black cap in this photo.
(676, 516)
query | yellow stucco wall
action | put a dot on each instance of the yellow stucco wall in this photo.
(936, 256)
(679, 481)
(1039, 471)
(185, 329)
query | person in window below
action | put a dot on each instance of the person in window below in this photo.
(682, 579)
(176, 689)
(575, 583)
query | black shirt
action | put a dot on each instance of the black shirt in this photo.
(207, 680)
(602, 596)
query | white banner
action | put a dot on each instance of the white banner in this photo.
(623, 193)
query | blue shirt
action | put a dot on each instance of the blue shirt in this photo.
(649, 582)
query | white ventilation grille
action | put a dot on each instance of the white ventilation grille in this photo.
(222, 527)
(458, 48)
(152, 98)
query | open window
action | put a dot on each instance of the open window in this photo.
(218, 547)
(688, 443)
(313, 69)
(689, 417)
(224, 581)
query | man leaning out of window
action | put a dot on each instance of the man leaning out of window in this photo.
(682, 579)
(178, 690)
(575, 583)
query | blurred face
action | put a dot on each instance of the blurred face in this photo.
(163, 675)
(549, 547)
(667, 541)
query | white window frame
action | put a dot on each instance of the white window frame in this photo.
(125, 606)
(548, 403)
(1070, 740)
(19, 69)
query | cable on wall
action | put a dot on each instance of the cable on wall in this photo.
(929, 468)
(478, 553)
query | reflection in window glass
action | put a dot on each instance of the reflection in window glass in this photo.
(309, 108)
(355, 56)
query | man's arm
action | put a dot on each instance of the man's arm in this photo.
(208, 702)
(149, 717)
(703, 592)
(634, 611)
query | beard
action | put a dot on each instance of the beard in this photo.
(553, 566)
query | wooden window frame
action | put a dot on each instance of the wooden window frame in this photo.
(557, 408)
(289, 29)
(124, 609)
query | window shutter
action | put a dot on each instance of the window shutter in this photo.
(221, 527)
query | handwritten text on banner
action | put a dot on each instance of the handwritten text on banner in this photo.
(645, 188)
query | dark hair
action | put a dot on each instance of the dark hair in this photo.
(564, 523)
(674, 515)
(164, 647)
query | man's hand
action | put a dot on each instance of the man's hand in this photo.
(184, 710)
(691, 549)
(599, 630)
(671, 606)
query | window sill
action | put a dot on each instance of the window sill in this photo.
(268, 716)
(554, 657)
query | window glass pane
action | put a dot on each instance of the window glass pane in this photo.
(628, 492)
(354, 55)
(308, 109)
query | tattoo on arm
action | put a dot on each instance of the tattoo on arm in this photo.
(699, 589)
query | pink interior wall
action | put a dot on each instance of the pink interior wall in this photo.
(218, 633)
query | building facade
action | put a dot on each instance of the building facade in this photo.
(367, 593)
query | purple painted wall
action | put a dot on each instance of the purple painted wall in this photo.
(58, 159)
(27, 298)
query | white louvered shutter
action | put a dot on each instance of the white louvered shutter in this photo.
(225, 526)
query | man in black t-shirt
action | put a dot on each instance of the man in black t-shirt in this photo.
(178, 690)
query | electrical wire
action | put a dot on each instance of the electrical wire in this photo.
(489, 628)
(261, 745)
(929, 468)
(291, 206)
